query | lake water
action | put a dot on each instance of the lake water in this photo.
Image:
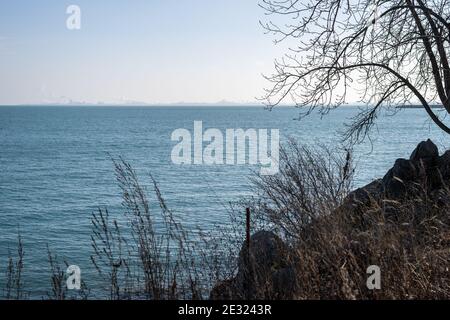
(55, 169)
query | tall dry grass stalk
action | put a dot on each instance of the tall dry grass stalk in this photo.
(158, 261)
(14, 282)
(311, 183)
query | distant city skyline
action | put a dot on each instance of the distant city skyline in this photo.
(145, 52)
(152, 52)
(142, 103)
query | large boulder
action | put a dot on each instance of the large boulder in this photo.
(264, 271)
(425, 150)
(396, 180)
(421, 173)
(424, 171)
(444, 165)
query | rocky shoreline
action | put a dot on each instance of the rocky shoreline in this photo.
(269, 260)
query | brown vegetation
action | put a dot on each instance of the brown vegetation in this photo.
(313, 238)
(400, 223)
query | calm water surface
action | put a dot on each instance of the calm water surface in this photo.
(55, 169)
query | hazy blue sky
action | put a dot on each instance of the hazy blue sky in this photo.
(155, 51)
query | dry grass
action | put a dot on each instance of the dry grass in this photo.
(14, 284)
(332, 241)
(325, 242)
(156, 262)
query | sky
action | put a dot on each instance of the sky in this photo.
(144, 51)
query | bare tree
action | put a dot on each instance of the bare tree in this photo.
(386, 51)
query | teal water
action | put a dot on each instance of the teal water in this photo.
(55, 169)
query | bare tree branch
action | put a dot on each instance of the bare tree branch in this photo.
(386, 53)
